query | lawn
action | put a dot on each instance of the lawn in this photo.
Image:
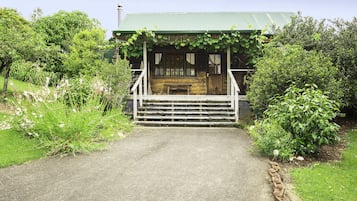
(16, 148)
(18, 86)
(330, 181)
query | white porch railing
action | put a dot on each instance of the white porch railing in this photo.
(234, 94)
(138, 87)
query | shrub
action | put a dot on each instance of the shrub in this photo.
(29, 72)
(75, 92)
(303, 116)
(64, 128)
(118, 77)
(270, 136)
(335, 38)
(282, 66)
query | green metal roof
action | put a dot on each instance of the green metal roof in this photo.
(204, 22)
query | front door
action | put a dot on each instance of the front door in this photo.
(214, 75)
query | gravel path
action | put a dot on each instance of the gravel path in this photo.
(150, 164)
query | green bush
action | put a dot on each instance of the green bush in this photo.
(284, 65)
(335, 38)
(29, 72)
(297, 123)
(118, 77)
(269, 136)
(75, 92)
(307, 115)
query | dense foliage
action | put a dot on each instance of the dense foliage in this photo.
(248, 44)
(86, 53)
(334, 38)
(117, 78)
(282, 66)
(82, 108)
(60, 28)
(18, 41)
(297, 123)
(71, 119)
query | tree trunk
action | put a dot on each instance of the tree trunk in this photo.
(6, 78)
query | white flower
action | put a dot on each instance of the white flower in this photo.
(18, 111)
(61, 125)
(47, 81)
(40, 99)
(276, 152)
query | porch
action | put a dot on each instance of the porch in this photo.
(182, 108)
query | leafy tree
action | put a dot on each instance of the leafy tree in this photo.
(59, 31)
(344, 55)
(18, 41)
(61, 27)
(336, 39)
(282, 66)
(86, 53)
(307, 32)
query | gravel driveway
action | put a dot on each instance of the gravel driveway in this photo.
(150, 164)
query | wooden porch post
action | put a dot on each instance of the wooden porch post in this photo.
(228, 69)
(145, 60)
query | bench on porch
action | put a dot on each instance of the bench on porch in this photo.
(178, 87)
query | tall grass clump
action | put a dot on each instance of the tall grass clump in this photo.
(72, 119)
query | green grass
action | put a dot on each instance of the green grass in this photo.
(18, 86)
(331, 181)
(16, 148)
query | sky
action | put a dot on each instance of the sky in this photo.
(106, 10)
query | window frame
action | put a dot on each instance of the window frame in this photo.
(161, 69)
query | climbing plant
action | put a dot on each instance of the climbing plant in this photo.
(249, 44)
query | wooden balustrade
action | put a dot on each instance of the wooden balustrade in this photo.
(234, 94)
(138, 86)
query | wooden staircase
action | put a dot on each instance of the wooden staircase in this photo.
(177, 110)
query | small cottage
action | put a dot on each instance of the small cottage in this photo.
(194, 56)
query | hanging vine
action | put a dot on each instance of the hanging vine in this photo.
(249, 44)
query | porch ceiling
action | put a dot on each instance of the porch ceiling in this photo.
(178, 23)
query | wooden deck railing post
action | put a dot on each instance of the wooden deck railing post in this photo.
(229, 79)
(138, 84)
(140, 94)
(135, 105)
(236, 104)
(145, 60)
(234, 95)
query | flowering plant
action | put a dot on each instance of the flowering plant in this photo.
(70, 119)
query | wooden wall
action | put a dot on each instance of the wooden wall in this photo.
(198, 82)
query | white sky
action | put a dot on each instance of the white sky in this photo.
(106, 10)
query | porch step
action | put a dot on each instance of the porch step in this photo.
(186, 112)
(175, 108)
(183, 103)
(182, 123)
(204, 118)
(160, 112)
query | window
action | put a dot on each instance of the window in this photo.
(159, 66)
(190, 64)
(175, 65)
(214, 64)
